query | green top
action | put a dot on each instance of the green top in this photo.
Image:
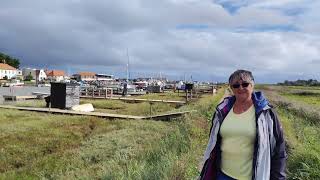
(238, 132)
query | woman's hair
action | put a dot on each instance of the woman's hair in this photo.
(241, 74)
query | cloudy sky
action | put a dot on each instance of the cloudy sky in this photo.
(205, 39)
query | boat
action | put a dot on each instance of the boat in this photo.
(14, 83)
(44, 85)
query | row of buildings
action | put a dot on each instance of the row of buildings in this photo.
(89, 79)
(40, 75)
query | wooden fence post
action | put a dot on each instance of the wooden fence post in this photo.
(187, 95)
(151, 103)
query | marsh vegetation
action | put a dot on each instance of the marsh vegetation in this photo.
(299, 108)
(48, 146)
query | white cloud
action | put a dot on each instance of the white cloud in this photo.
(164, 36)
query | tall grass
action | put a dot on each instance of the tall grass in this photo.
(198, 124)
(310, 98)
(56, 146)
(303, 146)
(47, 146)
(301, 123)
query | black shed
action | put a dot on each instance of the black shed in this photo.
(189, 86)
(64, 95)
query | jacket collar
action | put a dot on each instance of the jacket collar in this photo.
(259, 101)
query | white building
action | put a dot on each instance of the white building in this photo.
(19, 72)
(85, 76)
(41, 75)
(7, 71)
(56, 75)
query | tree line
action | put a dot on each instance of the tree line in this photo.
(310, 82)
(14, 62)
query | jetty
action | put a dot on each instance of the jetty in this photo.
(166, 116)
(19, 98)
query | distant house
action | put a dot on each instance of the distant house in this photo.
(19, 74)
(41, 75)
(85, 76)
(55, 75)
(7, 71)
(37, 74)
(27, 72)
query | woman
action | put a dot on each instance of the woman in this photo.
(246, 138)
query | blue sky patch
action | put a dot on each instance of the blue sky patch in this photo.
(231, 6)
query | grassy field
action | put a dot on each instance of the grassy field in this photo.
(166, 96)
(309, 95)
(121, 107)
(298, 108)
(46, 146)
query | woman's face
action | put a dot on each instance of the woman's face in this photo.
(242, 89)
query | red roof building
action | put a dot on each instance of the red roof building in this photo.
(6, 67)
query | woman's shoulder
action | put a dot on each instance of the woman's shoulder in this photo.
(271, 114)
(226, 102)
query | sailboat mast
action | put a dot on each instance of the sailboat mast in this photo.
(128, 65)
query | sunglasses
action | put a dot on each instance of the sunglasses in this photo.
(244, 85)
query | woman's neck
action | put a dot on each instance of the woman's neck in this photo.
(243, 101)
(242, 106)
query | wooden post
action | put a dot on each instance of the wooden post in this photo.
(111, 92)
(86, 91)
(150, 108)
(186, 95)
(99, 92)
(92, 92)
(196, 91)
(214, 90)
(106, 95)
